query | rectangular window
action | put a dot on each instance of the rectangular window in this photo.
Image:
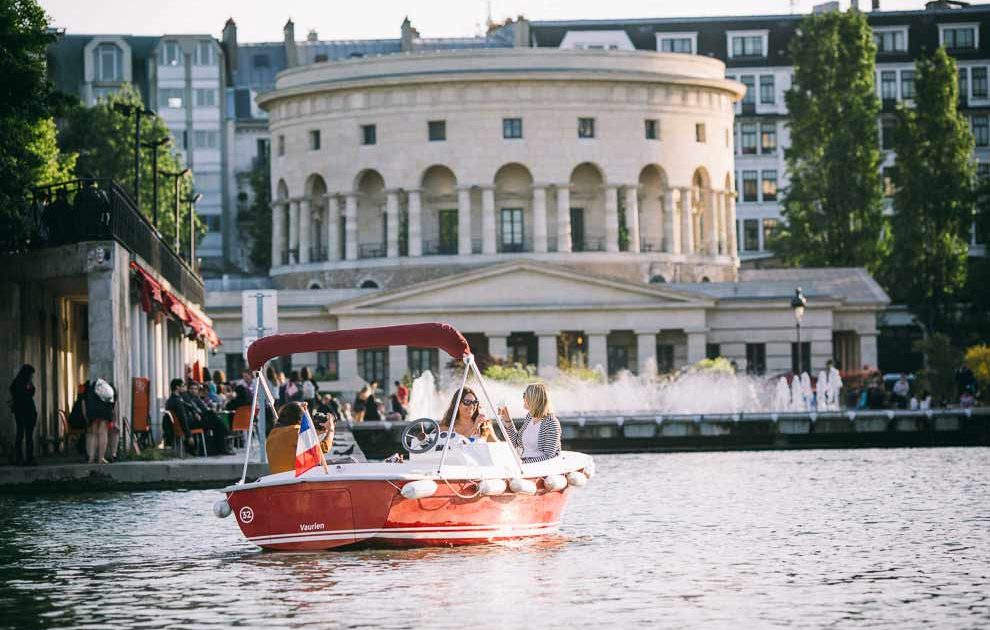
(512, 229)
(805, 357)
(888, 181)
(751, 235)
(108, 63)
(211, 221)
(749, 186)
(768, 95)
(512, 128)
(373, 365)
(887, 128)
(747, 46)
(171, 54)
(205, 139)
(369, 135)
(890, 41)
(699, 132)
(423, 359)
(888, 85)
(665, 357)
(769, 185)
(436, 130)
(206, 97)
(447, 229)
(768, 137)
(314, 140)
(170, 98)
(907, 84)
(652, 129)
(979, 78)
(205, 53)
(981, 130)
(959, 37)
(234, 363)
(713, 351)
(748, 137)
(677, 45)
(963, 84)
(749, 98)
(327, 366)
(281, 145)
(756, 358)
(586, 127)
(261, 61)
(769, 229)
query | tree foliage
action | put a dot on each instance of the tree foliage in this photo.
(104, 139)
(259, 217)
(942, 359)
(833, 207)
(934, 198)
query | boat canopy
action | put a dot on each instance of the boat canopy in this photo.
(431, 335)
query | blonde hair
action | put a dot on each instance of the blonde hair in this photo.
(539, 400)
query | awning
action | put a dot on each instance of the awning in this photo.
(433, 335)
(153, 291)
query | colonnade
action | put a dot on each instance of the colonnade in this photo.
(694, 221)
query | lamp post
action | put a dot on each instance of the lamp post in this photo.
(154, 146)
(192, 228)
(176, 176)
(798, 302)
(137, 111)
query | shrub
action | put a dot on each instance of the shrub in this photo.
(978, 360)
(514, 373)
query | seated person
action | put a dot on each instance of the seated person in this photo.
(282, 441)
(181, 411)
(210, 421)
(470, 425)
(539, 437)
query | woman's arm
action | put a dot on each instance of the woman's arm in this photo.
(548, 441)
(515, 436)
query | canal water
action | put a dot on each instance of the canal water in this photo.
(799, 539)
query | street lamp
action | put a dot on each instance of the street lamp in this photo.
(798, 302)
(176, 176)
(137, 111)
(192, 228)
(154, 146)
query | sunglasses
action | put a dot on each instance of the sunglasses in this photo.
(469, 403)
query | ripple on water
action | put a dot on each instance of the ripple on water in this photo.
(802, 539)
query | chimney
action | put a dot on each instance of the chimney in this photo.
(521, 33)
(312, 36)
(289, 34)
(229, 45)
(409, 35)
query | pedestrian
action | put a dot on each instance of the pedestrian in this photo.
(25, 415)
(98, 408)
(402, 393)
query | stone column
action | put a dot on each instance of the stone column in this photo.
(351, 227)
(398, 365)
(539, 218)
(464, 220)
(108, 289)
(293, 231)
(709, 206)
(498, 347)
(305, 229)
(719, 203)
(415, 207)
(687, 222)
(392, 224)
(611, 219)
(488, 245)
(347, 367)
(646, 349)
(867, 349)
(546, 352)
(731, 225)
(632, 217)
(564, 218)
(332, 227)
(597, 349)
(278, 232)
(696, 345)
(671, 221)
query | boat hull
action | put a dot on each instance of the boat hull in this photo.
(328, 514)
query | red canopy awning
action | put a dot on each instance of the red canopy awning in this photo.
(152, 290)
(434, 335)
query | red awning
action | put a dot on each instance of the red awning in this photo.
(152, 290)
(442, 336)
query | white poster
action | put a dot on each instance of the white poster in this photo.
(259, 315)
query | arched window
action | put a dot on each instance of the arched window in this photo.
(705, 279)
(313, 286)
(370, 284)
(108, 63)
(658, 279)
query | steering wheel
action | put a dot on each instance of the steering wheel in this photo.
(421, 436)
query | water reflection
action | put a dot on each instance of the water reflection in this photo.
(799, 539)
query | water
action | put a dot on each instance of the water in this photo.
(800, 539)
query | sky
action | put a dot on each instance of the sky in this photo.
(262, 20)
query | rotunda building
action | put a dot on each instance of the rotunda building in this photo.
(402, 168)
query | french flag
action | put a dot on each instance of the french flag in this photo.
(308, 451)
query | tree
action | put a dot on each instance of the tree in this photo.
(833, 208)
(26, 106)
(104, 140)
(934, 198)
(55, 166)
(942, 359)
(260, 215)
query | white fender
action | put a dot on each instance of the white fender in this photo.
(419, 489)
(221, 509)
(554, 483)
(576, 478)
(491, 487)
(522, 486)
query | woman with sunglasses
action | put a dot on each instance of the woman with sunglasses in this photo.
(470, 424)
(539, 437)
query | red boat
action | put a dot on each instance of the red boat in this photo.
(445, 494)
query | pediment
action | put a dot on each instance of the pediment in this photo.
(522, 285)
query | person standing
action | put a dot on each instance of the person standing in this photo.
(98, 406)
(25, 415)
(402, 393)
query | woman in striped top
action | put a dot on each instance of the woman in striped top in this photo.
(539, 437)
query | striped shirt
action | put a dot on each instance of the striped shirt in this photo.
(549, 438)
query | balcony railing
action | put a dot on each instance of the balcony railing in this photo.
(96, 209)
(371, 250)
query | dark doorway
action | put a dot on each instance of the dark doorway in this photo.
(577, 229)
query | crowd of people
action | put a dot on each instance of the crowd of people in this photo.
(874, 392)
